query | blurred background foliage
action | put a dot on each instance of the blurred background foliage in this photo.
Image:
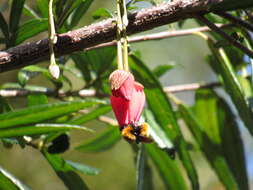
(208, 125)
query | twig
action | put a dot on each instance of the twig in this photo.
(231, 40)
(162, 35)
(190, 87)
(92, 93)
(235, 20)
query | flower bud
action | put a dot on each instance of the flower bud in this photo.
(54, 70)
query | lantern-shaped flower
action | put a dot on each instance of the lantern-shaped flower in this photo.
(128, 101)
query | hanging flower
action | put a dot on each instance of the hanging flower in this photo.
(128, 100)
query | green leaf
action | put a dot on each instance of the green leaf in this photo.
(4, 105)
(156, 132)
(101, 110)
(160, 70)
(163, 113)
(101, 13)
(38, 130)
(30, 29)
(66, 172)
(167, 168)
(37, 99)
(43, 7)
(143, 171)
(82, 64)
(219, 126)
(83, 168)
(4, 27)
(28, 72)
(28, 11)
(15, 14)
(232, 86)
(9, 182)
(102, 142)
(232, 146)
(36, 114)
(209, 147)
(79, 12)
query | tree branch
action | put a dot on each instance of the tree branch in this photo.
(91, 93)
(223, 34)
(105, 31)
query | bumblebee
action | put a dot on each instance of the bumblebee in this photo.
(137, 133)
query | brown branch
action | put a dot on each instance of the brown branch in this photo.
(231, 40)
(236, 20)
(104, 31)
(92, 93)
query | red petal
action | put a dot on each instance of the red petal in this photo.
(120, 108)
(137, 103)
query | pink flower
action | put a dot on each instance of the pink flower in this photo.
(128, 101)
(128, 112)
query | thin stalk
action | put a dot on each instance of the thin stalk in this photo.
(53, 67)
(119, 45)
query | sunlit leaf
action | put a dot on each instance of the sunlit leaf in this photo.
(30, 29)
(38, 130)
(160, 70)
(101, 13)
(167, 168)
(223, 66)
(101, 110)
(80, 10)
(45, 112)
(83, 168)
(9, 182)
(208, 145)
(66, 172)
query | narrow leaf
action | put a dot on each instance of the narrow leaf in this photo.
(167, 168)
(157, 134)
(9, 182)
(140, 168)
(30, 29)
(102, 142)
(15, 14)
(209, 148)
(4, 27)
(101, 110)
(66, 172)
(83, 168)
(232, 85)
(79, 12)
(160, 70)
(43, 7)
(37, 99)
(38, 129)
(40, 113)
(101, 13)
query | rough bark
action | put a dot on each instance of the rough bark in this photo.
(105, 31)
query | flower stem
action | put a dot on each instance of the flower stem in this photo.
(53, 67)
(122, 42)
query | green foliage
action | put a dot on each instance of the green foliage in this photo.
(8, 181)
(54, 108)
